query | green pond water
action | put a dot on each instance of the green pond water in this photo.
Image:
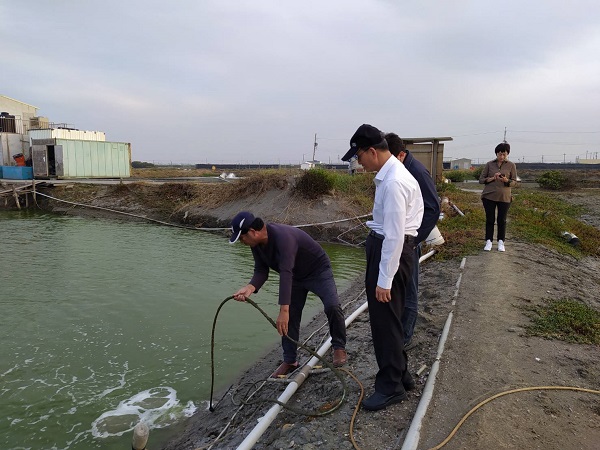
(105, 323)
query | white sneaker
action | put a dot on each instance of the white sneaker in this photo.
(500, 246)
(488, 246)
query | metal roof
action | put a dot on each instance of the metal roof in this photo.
(427, 139)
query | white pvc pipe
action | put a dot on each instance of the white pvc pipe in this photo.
(413, 435)
(427, 255)
(414, 431)
(268, 418)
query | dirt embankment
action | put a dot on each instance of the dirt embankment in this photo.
(210, 205)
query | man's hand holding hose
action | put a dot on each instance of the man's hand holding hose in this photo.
(244, 292)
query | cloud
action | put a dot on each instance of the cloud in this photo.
(194, 80)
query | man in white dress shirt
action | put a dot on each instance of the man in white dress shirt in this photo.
(397, 214)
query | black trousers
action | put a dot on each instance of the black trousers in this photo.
(490, 211)
(386, 318)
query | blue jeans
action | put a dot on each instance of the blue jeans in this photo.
(411, 307)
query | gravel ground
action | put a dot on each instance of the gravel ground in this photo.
(383, 429)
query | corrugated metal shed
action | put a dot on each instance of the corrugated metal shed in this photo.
(68, 158)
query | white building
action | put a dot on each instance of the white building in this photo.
(307, 165)
(57, 150)
(15, 120)
(460, 164)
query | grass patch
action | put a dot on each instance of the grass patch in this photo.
(358, 188)
(541, 218)
(567, 320)
(537, 217)
(171, 172)
(463, 234)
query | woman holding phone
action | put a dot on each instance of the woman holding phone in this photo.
(498, 176)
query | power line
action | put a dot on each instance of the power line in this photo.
(556, 132)
(552, 143)
(475, 134)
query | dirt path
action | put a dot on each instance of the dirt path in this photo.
(487, 352)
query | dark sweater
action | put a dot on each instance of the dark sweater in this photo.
(290, 252)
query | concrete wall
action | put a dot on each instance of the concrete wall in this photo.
(11, 144)
(17, 108)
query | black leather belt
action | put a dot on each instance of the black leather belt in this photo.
(407, 238)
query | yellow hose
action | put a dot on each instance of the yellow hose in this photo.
(501, 394)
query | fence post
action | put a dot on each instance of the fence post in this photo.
(16, 196)
(140, 436)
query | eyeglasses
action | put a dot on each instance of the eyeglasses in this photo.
(358, 153)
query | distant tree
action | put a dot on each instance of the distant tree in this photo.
(141, 165)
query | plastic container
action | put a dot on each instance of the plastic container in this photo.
(19, 159)
(17, 173)
(435, 237)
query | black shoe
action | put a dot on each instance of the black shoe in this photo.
(379, 401)
(407, 381)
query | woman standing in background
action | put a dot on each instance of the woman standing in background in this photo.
(498, 176)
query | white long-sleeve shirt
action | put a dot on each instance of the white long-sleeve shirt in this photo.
(397, 212)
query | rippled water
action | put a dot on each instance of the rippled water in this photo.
(104, 323)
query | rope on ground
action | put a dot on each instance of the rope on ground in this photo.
(501, 394)
(334, 370)
(356, 408)
(222, 435)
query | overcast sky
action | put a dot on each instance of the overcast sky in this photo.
(253, 81)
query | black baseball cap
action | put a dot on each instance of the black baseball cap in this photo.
(366, 136)
(240, 224)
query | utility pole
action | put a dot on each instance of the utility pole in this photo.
(315, 147)
(504, 134)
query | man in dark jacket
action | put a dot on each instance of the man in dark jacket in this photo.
(303, 267)
(431, 215)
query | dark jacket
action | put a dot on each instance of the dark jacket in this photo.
(431, 200)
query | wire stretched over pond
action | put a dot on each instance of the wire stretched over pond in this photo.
(183, 226)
